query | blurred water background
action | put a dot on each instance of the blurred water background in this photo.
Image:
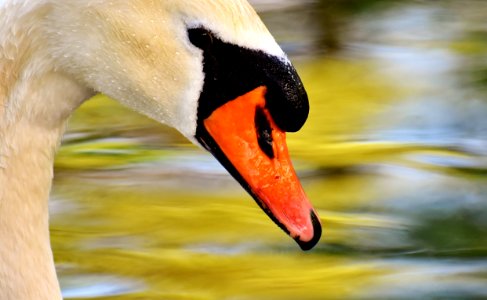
(393, 156)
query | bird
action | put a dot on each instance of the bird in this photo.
(209, 68)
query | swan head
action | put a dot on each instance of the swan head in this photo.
(209, 68)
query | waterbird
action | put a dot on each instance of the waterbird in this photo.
(209, 68)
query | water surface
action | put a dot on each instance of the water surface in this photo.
(394, 157)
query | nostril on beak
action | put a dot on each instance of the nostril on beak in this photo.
(308, 245)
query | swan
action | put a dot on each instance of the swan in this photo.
(208, 68)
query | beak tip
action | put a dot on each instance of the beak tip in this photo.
(308, 245)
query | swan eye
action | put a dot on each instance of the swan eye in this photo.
(200, 37)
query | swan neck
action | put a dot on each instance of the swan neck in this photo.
(35, 102)
(31, 126)
(27, 266)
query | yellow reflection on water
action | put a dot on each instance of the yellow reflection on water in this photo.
(185, 246)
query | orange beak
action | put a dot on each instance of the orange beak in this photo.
(256, 148)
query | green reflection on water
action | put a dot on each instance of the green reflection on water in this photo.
(393, 157)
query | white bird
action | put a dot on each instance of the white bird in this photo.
(208, 68)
